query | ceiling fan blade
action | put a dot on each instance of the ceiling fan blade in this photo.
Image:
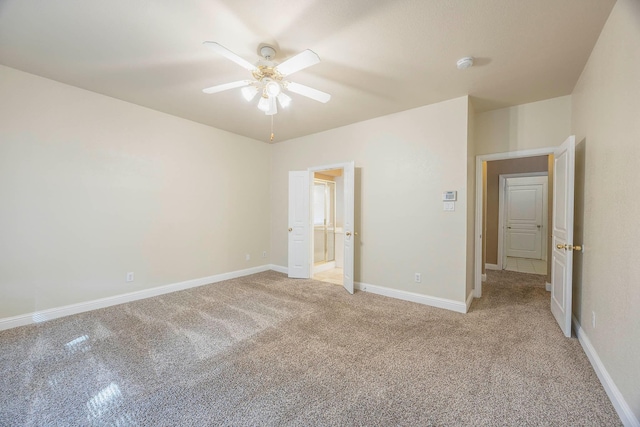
(309, 92)
(304, 59)
(218, 48)
(226, 86)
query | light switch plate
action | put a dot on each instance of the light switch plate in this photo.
(449, 206)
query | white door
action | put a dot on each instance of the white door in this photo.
(299, 229)
(525, 215)
(349, 231)
(562, 247)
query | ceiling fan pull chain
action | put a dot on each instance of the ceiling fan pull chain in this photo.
(272, 128)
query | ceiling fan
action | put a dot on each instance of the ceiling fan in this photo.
(269, 78)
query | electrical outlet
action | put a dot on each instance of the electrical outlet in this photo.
(418, 278)
(130, 276)
(247, 257)
(264, 254)
(593, 319)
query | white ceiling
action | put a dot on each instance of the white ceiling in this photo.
(378, 57)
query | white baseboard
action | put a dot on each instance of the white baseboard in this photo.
(54, 313)
(469, 301)
(547, 286)
(491, 267)
(621, 406)
(447, 304)
(279, 268)
(484, 277)
(403, 295)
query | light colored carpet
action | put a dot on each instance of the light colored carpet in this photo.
(268, 350)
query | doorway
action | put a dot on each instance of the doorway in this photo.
(324, 223)
(523, 222)
(301, 233)
(561, 172)
(328, 188)
(487, 240)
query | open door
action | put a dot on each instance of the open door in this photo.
(299, 228)
(562, 247)
(349, 230)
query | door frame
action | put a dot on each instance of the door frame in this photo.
(312, 170)
(502, 213)
(477, 290)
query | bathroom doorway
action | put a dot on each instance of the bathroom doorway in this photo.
(327, 232)
(300, 231)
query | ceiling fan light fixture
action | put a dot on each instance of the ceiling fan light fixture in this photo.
(273, 108)
(272, 88)
(284, 99)
(263, 104)
(249, 92)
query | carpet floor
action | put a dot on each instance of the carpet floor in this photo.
(265, 350)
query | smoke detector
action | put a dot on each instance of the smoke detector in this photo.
(464, 63)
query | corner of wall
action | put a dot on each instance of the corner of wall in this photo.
(471, 198)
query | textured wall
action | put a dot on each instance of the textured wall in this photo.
(606, 111)
(404, 162)
(539, 124)
(92, 188)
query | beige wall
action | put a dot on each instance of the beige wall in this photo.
(92, 187)
(404, 162)
(494, 170)
(606, 112)
(539, 124)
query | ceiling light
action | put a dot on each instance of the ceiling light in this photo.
(284, 99)
(263, 104)
(273, 108)
(464, 63)
(272, 88)
(249, 92)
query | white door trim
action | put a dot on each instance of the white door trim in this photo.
(347, 278)
(478, 226)
(502, 213)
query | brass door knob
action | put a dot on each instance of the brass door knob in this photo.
(290, 229)
(348, 233)
(569, 247)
